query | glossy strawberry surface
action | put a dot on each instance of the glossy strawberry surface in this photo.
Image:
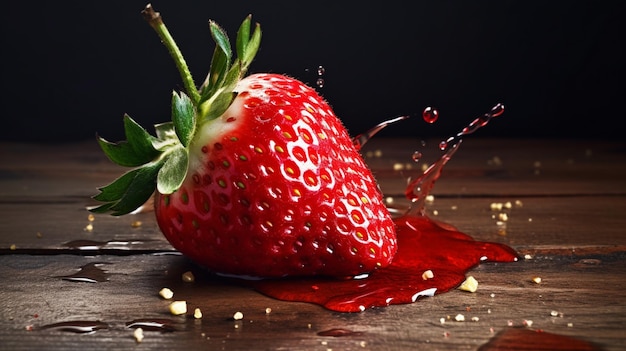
(254, 176)
(275, 187)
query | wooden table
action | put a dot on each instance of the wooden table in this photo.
(567, 218)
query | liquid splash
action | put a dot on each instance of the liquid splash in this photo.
(363, 138)
(424, 244)
(420, 187)
(476, 124)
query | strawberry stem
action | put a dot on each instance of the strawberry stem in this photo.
(163, 161)
(156, 22)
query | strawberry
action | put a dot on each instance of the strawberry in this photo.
(254, 176)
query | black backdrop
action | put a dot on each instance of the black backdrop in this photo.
(73, 68)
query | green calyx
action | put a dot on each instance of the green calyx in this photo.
(162, 161)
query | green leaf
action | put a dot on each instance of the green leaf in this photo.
(166, 136)
(243, 36)
(139, 190)
(165, 131)
(251, 49)
(137, 150)
(216, 91)
(221, 99)
(183, 117)
(139, 139)
(219, 104)
(116, 190)
(219, 66)
(221, 39)
(129, 191)
(122, 153)
(173, 172)
(220, 63)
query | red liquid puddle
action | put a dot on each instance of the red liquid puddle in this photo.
(337, 332)
(92, 245)
(89, 273)
(80, 327)
(159, 324)
(524, 339)
(423, 244)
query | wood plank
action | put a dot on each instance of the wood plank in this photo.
(567, 214)
(45, 190)
(499, 167)
(538, 225)
(525, 167)
(574, 299)
(37, 227)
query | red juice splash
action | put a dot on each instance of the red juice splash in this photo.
(363, 138)
(423, 245)
(419, 188)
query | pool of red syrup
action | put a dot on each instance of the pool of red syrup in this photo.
(423, 244)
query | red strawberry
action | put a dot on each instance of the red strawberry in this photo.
(254, 177)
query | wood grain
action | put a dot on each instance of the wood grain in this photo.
(568, 201)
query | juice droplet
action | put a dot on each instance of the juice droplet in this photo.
(430, 115)
(85, 244)
(89, 273)
(158, 324)
(81, 327)
(337, 332)
(363, 138)
(319, 75)
(93, 245)
(443, 145)
(416, 156)
(320, 80)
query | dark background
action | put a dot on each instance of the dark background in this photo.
(71, 69)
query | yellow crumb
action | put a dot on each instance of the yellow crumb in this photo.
(178, 307)
(470, 284)
(188, 277)
(166, 293)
